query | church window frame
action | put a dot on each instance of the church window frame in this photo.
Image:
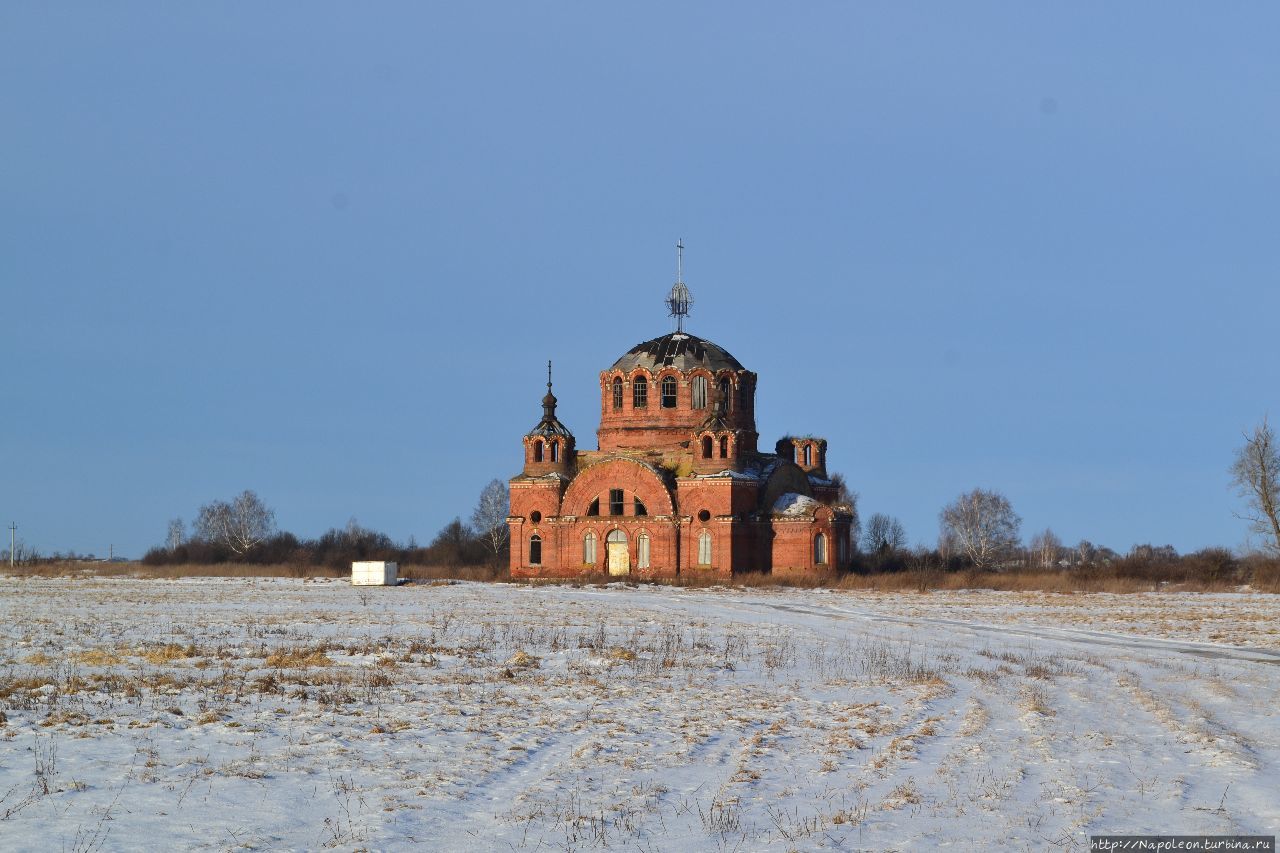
(617, 394)
(808, 455)
(724, 447)
(617, 501)
(555, 451)
(704, 548)
(706, 447)
(726, 393)
(698, 392)
(670, 392)
(589, 548)
(820, 549)
(638, 506)
(537, 450)
(640, 393)
(535, 550)
(642, 550)
(594, 507)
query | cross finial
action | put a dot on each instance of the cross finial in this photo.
(548, 374)
(679, 300)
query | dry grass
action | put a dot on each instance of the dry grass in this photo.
(298, 658)
(97, 657)
(167, 653)
(1264, 576)
(138, 570)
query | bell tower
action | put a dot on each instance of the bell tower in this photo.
(549, 447)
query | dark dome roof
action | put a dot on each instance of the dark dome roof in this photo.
(679, 350)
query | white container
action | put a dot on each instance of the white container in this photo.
(374, 573)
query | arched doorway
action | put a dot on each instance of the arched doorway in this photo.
(616, 550)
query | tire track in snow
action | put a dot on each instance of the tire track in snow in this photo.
(1054, 634)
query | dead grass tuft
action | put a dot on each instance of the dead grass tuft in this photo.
(1035, 700)
(97, 657)
(166, 654)
(298, 658)
(524, 660)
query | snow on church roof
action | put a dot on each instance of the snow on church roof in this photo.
(794, 504)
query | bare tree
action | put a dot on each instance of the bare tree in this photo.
(239, 525)
(1154, 553)
(1045, 549)
(489, 520)
(1256, 474)
(847, 497)
(948, 547)
(177, 533)
(1086, 553)
(984, 525)
(883, 535)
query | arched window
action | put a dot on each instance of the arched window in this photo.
(589, 548)
(704, 548)
(640, 393)
(808, 455)
(642, 551)
(820, 549)
(537, 451)
(555, 451)
(706, 447)
(640, 508)
(617, 393)
(668, 392)
(594, 508)
(699, 392)
(535, 550)
(724, 447)
(725, 387)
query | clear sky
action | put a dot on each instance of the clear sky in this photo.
(323, 251)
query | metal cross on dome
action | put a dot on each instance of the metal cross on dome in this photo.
(679, 300)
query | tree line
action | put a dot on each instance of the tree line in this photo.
(979, 530)
(244, 530)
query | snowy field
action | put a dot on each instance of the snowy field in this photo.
(283, 714)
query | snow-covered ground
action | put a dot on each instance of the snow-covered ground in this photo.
(283, 714)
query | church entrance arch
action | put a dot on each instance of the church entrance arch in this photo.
(616, 549)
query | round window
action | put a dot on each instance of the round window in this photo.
(535, 516)
(704, 515)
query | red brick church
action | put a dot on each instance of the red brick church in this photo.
(678, 484)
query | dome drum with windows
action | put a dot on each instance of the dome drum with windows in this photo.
(677, 484)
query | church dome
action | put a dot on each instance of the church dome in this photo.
(679, 350)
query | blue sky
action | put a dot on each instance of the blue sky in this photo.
(323, 251)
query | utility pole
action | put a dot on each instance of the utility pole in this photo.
(12, 529)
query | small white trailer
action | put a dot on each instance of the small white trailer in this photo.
(374, 573)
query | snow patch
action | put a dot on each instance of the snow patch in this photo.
(794, 504)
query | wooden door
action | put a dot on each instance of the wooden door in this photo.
(619, 564)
